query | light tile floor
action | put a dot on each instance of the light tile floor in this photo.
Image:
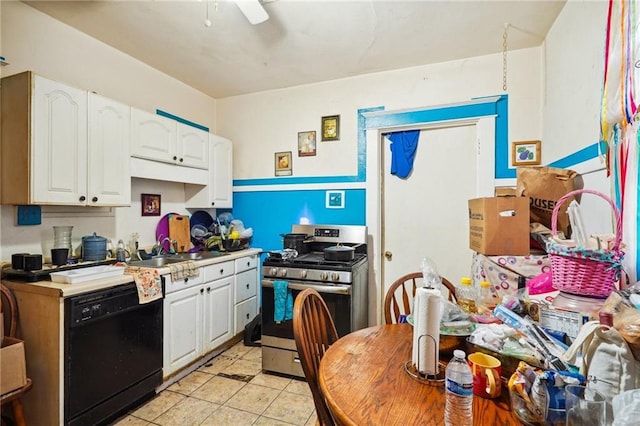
(229, 390)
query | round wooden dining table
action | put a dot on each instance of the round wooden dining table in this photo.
(364, 382)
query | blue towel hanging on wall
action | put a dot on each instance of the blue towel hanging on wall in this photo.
(282, 301)
(403, 151)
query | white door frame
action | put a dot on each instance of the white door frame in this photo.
(378, 122)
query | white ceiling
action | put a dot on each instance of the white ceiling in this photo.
(303, 41)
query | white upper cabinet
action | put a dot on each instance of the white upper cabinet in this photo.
(59, 143)
(218, 193)
(193, 146)
(155, 137)
(57, 149)
(109, 166)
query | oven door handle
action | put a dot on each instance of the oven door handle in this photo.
(328, 289)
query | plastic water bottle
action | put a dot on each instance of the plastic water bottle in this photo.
(458, 410)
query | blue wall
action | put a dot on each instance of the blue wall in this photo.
(271, 213)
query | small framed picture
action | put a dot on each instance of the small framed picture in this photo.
(331, 128)
(307, 144)
(525, 153)
(283, 163)
(150, 204)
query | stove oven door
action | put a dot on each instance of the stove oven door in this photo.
(279, 352)
(337, 298)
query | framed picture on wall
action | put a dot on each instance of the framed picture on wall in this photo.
(525, 153)
(307, 144)
(331, 128)
(283, 163)
(150, 204)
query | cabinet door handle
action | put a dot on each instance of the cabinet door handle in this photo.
(247, 286)
(83, 198)
(208, 289)
(248, 264)
(213, 203)
(221, 271)
(202, 291)
(175, 158)
(181, 160)
(247, 316)
(94, 199)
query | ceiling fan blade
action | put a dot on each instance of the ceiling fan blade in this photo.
(253, 10)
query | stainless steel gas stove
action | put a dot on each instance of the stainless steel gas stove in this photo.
(342, 284)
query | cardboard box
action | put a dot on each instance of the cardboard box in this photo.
(499, 225)
(13, 369)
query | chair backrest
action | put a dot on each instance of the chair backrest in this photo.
(399, 298)
(314, 331)
(9, 309)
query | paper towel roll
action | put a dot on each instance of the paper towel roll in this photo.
(426, 323)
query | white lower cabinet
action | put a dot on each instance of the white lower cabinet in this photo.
(204, 312)
(246, 291)
(218, 305)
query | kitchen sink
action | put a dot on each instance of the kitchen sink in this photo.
(197, 255)
(164, 260)
(156, 262)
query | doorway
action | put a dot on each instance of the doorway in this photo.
(488, 119)
(425, 215)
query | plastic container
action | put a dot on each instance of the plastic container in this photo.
(486, 300)
(466, 295)
(458, 410)
(574, 303)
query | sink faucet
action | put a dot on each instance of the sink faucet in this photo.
(159, 247)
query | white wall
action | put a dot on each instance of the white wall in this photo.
(261, 124)
(574, 65)
(33, 41)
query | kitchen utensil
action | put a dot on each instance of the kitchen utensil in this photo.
(180, 232)
(162, 230)
(59, 256)
(17, 260)
(339, 253)
(94, 247)
(201, 217)
(32, 262)
(62, 237)
(297, 242)
(486, 375)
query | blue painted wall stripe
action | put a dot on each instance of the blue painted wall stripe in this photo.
(181, 120)
(432, 115)
(577, 157)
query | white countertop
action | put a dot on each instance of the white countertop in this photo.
(66, 290)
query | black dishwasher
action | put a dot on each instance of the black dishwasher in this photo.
(113, 354)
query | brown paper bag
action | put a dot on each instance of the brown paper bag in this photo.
(545, 186)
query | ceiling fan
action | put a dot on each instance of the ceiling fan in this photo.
(253, 10)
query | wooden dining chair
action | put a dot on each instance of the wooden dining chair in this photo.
(314, 331)
(9, 309)
(399, 298)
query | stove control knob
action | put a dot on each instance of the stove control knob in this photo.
(303, 274)
(273, 272)
(335, 276)
(283, 272)
(324, 276)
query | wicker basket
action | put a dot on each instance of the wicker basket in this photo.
(583, 271)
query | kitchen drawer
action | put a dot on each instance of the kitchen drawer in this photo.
(175, 285)
(245, 312)
(245, 263)
(246, 285)
(218, 270)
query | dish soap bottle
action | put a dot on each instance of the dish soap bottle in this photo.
(466, 295)
(121, 254)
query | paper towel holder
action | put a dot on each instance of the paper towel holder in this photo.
(414, 371)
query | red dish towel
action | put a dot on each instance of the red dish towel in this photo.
(148, 283)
